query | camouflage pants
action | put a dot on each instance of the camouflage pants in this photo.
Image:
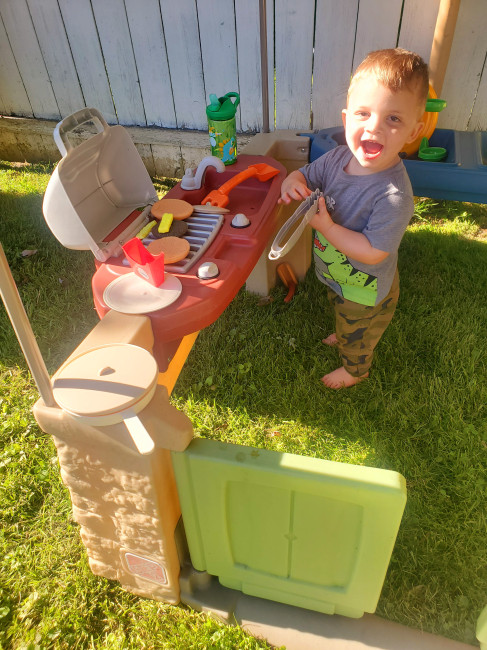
(359, 328)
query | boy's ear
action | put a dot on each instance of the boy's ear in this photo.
(418, 129)
(344, 117)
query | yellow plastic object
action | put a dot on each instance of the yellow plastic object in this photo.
(430, 118)
(146, 230)
(166, 222)
(304, 531)
(481, 629)
(169, 377)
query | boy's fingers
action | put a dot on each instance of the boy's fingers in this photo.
(294, 194)
(300, 193)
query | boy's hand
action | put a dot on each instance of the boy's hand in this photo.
(321, 221)
(349, 242)
(294, 188)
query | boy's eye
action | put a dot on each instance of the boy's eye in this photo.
(362, 114)
(394, 118)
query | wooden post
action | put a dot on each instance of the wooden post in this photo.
(442, 42)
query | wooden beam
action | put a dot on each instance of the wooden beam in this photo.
(442, 42)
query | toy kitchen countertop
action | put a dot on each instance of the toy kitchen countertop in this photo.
(232, 253)
(100, 196)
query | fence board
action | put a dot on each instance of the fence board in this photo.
(216, 19)
(18, 23)
(49, 29)
(184, 56)
(377, 27)
(79, 23)
(294, 59)
(247, 23)
(418, 26)
(156, 62)
(465, 67)
(271, 65)
(478, 118)
(150, 54)
(111, 23)
(334, 33)
(13, 98)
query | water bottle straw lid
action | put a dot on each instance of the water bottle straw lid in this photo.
(222, 108)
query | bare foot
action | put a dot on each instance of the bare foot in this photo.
(330, 340)
(340, 378)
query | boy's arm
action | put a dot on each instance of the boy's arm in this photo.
(350, 243)
(294, 187)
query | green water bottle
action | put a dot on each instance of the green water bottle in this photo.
(222, 127)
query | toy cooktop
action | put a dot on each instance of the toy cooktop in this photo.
(100, 197)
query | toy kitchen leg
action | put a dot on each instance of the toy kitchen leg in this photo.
(292, 150)
(126, 503)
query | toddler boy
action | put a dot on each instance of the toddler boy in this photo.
(367, 206)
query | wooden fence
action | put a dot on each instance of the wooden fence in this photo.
(153, 63)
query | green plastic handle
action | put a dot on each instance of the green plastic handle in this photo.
(434, 105)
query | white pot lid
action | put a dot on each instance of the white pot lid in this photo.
(105, 380)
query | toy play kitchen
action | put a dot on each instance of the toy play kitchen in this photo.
(224, 528)
(100, 197)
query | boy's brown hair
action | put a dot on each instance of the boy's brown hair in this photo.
(396, 69)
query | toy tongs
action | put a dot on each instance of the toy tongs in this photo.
(305, 212)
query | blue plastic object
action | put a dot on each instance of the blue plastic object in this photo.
(461, 176)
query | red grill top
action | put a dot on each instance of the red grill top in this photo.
(235, 251)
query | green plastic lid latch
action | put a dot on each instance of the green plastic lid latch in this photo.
(222, 108)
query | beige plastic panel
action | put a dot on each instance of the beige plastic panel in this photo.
(126, 503)
(292, 150)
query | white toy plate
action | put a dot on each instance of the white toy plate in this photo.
(130, 294)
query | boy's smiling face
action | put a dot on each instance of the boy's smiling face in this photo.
(378, 123)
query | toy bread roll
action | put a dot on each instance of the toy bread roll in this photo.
(179, 209)
(175, 249)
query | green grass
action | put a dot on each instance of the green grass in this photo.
(253, 378)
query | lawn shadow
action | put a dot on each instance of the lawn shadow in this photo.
(267, 360)
(54, 283)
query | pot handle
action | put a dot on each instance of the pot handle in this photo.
(71, 122)
(141, 438)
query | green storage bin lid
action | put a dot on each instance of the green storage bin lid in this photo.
(222, 108)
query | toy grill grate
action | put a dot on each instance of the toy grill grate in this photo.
(202, 230)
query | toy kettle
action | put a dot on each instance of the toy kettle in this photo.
(222, 127)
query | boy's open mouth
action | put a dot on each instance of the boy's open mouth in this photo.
(371, 148)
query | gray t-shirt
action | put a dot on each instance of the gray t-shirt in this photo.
(378, 205)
